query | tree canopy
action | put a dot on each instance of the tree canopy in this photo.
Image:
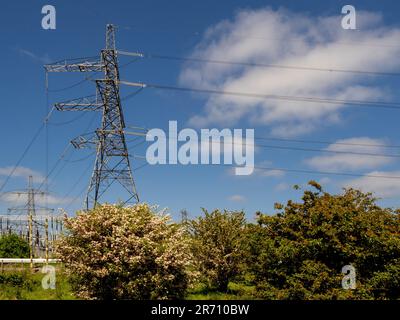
(307, 249)
(300, 251)
(13, 246)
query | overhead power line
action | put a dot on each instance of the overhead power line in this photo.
(26, 150)
(332, 143)
(354, 103)
(61, 158)
(77, 182)
(369, 154)
(372, 176)
(383, 155)
(71, 86)
(254, 64)
(380, 145)
(351, 42)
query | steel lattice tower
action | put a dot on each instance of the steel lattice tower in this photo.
(31, 221)
(112, 159)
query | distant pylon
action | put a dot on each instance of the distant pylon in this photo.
(112, 160)
(184, 216)
(25, 218)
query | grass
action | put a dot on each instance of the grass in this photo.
(236, 291)
(24, 284)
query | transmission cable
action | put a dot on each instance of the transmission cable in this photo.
(373, 176)
(355, 103)
(251, 64)
(26, 150)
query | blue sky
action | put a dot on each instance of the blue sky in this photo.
(178, 28)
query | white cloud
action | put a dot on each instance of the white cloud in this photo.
(282, 187)
(348, 161)
(20, 199)
(270, 173)
(380, 187)
(261, 170)
(22, 172)
(45, 59)
(285, 38)
(237, 198)
(324, 181)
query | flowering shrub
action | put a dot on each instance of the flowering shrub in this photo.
(112, 252)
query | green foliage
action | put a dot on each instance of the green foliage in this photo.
(113, 252)
(386, 283)
(299, 252)
(218, 246)
(13, 246)
(27, 285)
(13, 279)
(236, 291)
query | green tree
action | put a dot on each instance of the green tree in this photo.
(299, 252)
(13, 246)
(218, 246)
(112, 252)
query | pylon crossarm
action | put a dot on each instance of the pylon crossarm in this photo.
(82, 142)
(37, 208)
(80, 104)
(119, 132)
(131, 54)
(131, 133)
(84, 65)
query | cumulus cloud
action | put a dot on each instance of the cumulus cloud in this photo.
(324, 181)
(276, 173)
(288, 39)
(237, 198)
(262, 169)
(380, 187)
(282, 187)
(22, 172)
(347, 161)
(20, 199)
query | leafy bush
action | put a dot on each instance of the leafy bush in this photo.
(218, 246)
(13, 279)
(125, 253)
(299, 252)
(13, 246)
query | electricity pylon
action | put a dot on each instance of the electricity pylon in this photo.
(112, 159)
(26, 218)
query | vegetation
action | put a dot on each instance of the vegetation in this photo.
(218, 246)
(126, 253)
(27, 285)
(13, 246)
(296, 253)
(299, 252)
